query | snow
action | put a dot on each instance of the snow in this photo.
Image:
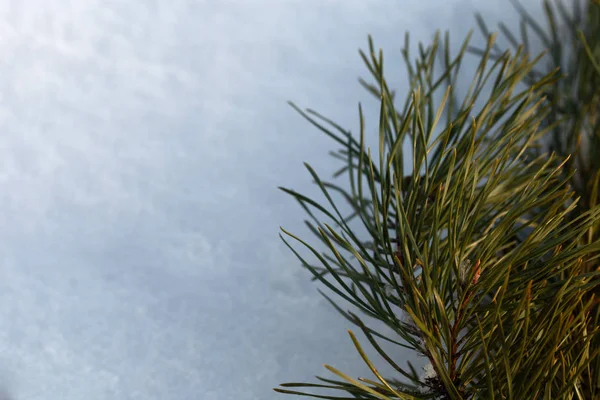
(140, 150)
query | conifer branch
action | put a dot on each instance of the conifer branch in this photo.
(482, 256)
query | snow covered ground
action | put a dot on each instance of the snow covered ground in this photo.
(141, 144)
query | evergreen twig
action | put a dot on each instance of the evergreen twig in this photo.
(482, 255)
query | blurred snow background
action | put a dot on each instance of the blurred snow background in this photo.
(141, 144)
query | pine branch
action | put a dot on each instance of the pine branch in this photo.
(481, 257)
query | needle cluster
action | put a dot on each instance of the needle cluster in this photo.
(482, 216)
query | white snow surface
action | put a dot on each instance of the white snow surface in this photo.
(141, 144)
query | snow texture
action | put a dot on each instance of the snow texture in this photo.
(140, 150)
